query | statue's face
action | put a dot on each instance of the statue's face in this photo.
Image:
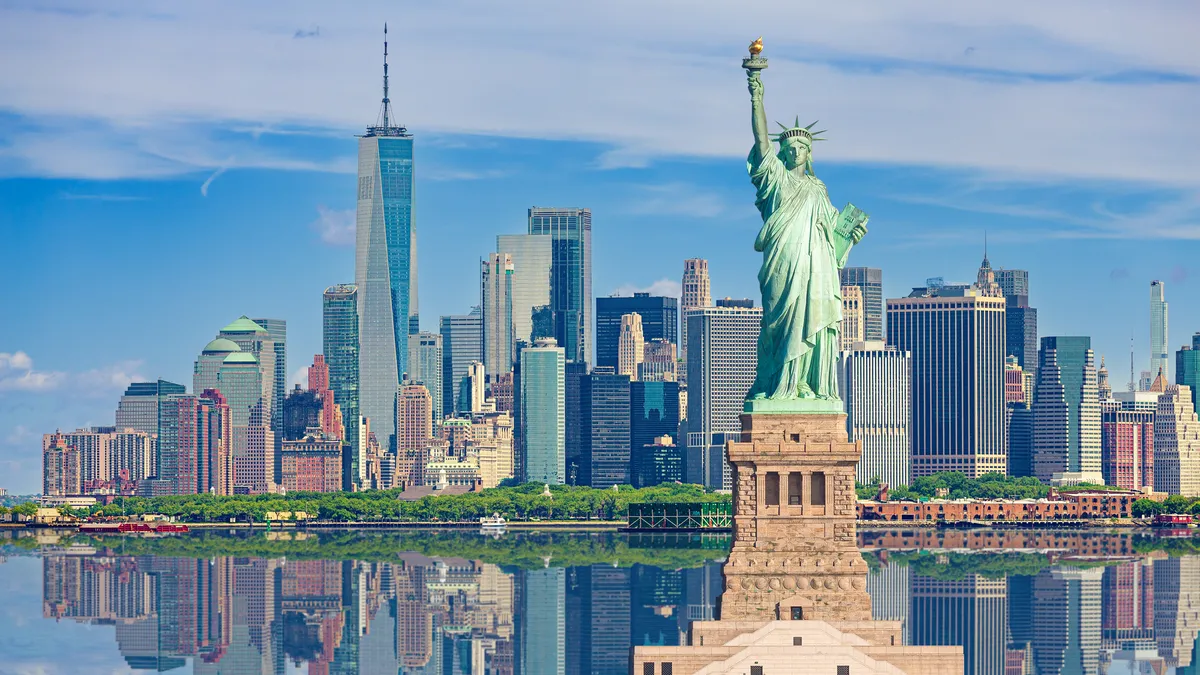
(795, 153)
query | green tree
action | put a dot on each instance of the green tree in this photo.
(1146, 508)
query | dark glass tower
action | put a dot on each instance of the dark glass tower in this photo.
(570, 275)
(653, 413)
(870, 280)
(604, 412)
(660, 321)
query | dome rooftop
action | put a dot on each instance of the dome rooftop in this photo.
(221, 345)
(243, 325)
(241, 357)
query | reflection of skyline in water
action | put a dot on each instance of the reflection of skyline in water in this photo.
(1139, 613)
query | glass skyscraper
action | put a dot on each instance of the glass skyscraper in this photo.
(604, 409)
(385, 264)
(1187, 369)
(660, 321)
(543, 413)
(340, 346)
(462, 343)
(870, 280)
(1066, 412)
(570, 231)
(1158, 332)
(532, 257)
(496, 302)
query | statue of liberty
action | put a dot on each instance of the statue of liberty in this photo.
(804, 241)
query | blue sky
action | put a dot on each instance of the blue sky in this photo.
(164, 170)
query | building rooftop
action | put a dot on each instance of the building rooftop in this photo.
(243, 325)
(221, 345)
(241, 357)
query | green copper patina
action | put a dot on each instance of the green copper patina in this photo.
(804, 241)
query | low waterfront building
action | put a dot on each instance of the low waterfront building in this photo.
(1084, 505)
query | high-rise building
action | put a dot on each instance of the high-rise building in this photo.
(631, 346)
(574, 373)
(462, 343)
(302, 410)
(653, 415)
(1127, 448)
(543, 412)
(339, 306)
(970, 611)
(425, 367)
(604, 409)
(472, 389)
(332, 423)
(532, 257)
(541, 622)
(496, 303)
(385, 267)
(659, 362)
(659, 318)
(414, 433)
(240, 381)
(852, 327)
(957, 347)
(96, 460)
(1177, 443)
(312, 463)
(1066, 413)
(195, 445)
(1187, 367)
(570, 230)
(139, 406)
(1018, 402)
(870, 280)
(875, 383)
(721, 362)
(1020, 318)
(277, 331)
(697, 293)
(1159, 340)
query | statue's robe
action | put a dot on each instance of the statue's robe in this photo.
(801, 291)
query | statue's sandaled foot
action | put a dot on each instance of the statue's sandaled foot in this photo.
(805, 391)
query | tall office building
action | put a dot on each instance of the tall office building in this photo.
(957, 347)
(575, 371)
(425, 367)
(385, 266)
(1020, 318)
(195, 445)
(1177, 443)
(570, 231)
(240, 381)
(277, 331)
(697, 292)
(543, 412)
(1159, 341)
(721, 362)
(874, 380)
(604, 409)
(659, 362)
(339, 336)
(852, 327)
(1018, 403)
(870, 280)
(1127, 448)
(1187, 367)
(139, 406)
(631, 346)
(462, 343)
(659, 317)
(1066, 413)
(414, 433)
(532, 257)
(496, 303)
(653, 414)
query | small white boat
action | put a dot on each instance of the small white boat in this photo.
(493, 524)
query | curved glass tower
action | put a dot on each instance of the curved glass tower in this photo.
(385, 263)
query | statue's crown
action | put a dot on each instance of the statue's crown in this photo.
(805, 133)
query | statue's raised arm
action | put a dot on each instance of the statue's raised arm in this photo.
(758, 116)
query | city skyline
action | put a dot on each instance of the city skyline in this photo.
(298, 210)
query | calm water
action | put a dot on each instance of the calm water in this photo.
(1028, 602)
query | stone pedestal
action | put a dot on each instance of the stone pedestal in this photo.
(795, 554)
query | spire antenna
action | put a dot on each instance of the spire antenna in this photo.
(386, 124)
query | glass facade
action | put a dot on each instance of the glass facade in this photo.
(653, 413)
(870, 280)
(570, 231)
(1187, 369)
(425, 367)
(340, 346)
(240, 382)
(496, 303)
(1066, 408)
(385, 268)
(660, 321)
(1158, 332)
(462, 343)
(532, 257)
(543, 407)
(606, 417)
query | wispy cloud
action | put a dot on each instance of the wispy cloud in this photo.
(675, 199)
(211, 178)
(17, 373)
(300, 33)
(73, 196)
(664, 287)
(335, 226)
(299, 376)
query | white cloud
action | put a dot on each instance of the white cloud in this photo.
(664, 287)
(299, 376)
(674, 199)
(18, 374)
(210, 179)
(20, 435)
(336, 226)
(1080, 88)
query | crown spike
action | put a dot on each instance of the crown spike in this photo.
(809, 126)
(781, 125)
